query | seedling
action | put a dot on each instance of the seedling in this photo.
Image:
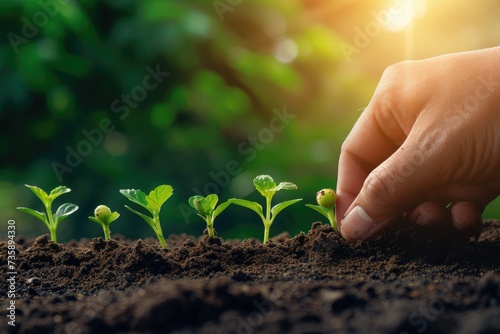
(152, 203)
(50, 220)
(267, 188)
(326, 199)
(206, 209)
(104, 217)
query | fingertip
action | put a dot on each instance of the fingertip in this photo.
(344, 201)
(466, 218)
(429, 213)
(356, 225)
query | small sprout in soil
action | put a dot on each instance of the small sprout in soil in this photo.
(152, 203)
(326, 199)
(267, 188)
(104, 217)
(206, 209)
(51, 220)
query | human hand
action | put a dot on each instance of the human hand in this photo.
(429, 137)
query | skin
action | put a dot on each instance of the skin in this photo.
(426, 148)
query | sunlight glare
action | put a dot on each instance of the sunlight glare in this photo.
(402, 13)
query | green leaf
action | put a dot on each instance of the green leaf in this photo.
(265, 185)
(148, 220)
(56, 192)
(320, 209)
(254, 206)
(204, 206)
(158, 196)
(205, 218)
(192, 199)
(279, 207)
(106, 220)
(40, 193)
(285, 186)
(37, 214)
(64, 211)
(95, 220)
(136, 196)
(221, 208)
(212, 200)
(112, 217)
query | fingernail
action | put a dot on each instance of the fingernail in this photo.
(357, 224)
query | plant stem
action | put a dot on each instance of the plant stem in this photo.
(53, 234)
(268, 210)
(211, 232)
(210, 227)
(333, 221)
(107, 232)
(267, 228)
(268, 222)
(162, 241)
(53, 227)
(159, 232)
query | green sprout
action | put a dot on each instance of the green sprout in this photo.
(152, 203)
(50, 220)
(326, 199)
(104, 217)
(267, 188)
(206, 209)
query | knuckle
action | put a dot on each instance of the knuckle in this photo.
(395, 71)
(380, 188)
(397, 80)
(345, 146)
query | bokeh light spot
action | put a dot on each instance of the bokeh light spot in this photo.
(162, 116)
(116, 144)
(60, 101)
(286, 50)
(198, 24)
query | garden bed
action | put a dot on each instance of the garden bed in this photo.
(403, 281)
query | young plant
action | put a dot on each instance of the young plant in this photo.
(326, 199)
(206, 209)
(50, 220)
(152, 203)
(104, 217)
(267, 188)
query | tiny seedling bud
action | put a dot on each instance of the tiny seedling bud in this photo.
(104, 217)
(326, 198)
(101, 212)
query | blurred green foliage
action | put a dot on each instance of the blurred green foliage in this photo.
(213, 124)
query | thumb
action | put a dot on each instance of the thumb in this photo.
(399, 182)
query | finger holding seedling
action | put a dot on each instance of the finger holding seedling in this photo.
(326, 199)
(104, 217)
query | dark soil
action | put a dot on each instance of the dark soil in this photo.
(404, 281)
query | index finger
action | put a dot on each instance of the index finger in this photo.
(375, 137)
